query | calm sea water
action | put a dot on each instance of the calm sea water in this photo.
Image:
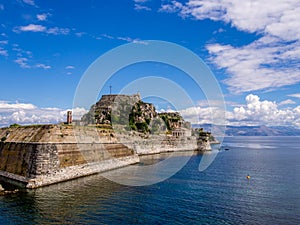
(219, 195)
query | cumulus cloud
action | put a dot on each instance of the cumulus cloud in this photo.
(43, 16)
(8, 106)
(77, 112)
(254, 112)
(32, 28)
(269, 62)
(42, 29)
(265, 112)
(199, 115)
(26, 113)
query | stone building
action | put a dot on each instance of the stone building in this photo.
(181, 132)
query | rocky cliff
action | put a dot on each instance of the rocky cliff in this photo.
(133, 114)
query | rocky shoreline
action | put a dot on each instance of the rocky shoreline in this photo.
(6, 192)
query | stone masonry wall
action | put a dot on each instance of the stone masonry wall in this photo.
(28, 159)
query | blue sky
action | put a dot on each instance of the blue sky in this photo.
(252, 47)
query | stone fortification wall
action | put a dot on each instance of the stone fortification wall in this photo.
(28, 159)
(41, 155)
(154, 144)
(46, 154)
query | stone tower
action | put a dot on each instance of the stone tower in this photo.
(69, 117)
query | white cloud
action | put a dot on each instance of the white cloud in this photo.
(127, 39)
(107, 36)
(269, 62)
(197, 115)
(26, 113)
(4, 105)
(139, 7)
(140, 1)
(257, 112)
(43, 29)
(131, 40)
(287, 102)
(256, 66)
(57, 30)
(23, 62)
(254, 112)
(22, 56)
(29, 2)
(32, 28)
(172, 7)
(3, 52)
(43, 16)
(77, 113)
(80, 34)
(247, 15)
(297, 95)
(4, 42)
(69, 67)
(43, 66)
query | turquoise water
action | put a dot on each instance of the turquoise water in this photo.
(219, 195)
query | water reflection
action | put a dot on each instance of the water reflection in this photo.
(62, 202)
(81, 200)
(152, 169)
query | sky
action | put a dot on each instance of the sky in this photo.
(252, 47)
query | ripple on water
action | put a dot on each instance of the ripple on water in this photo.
(219, 195)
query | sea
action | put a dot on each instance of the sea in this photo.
(220, 194)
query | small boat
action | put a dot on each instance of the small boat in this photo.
(225, 148)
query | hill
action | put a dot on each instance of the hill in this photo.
(256, 130)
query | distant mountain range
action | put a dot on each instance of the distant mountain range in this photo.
(256, 130)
